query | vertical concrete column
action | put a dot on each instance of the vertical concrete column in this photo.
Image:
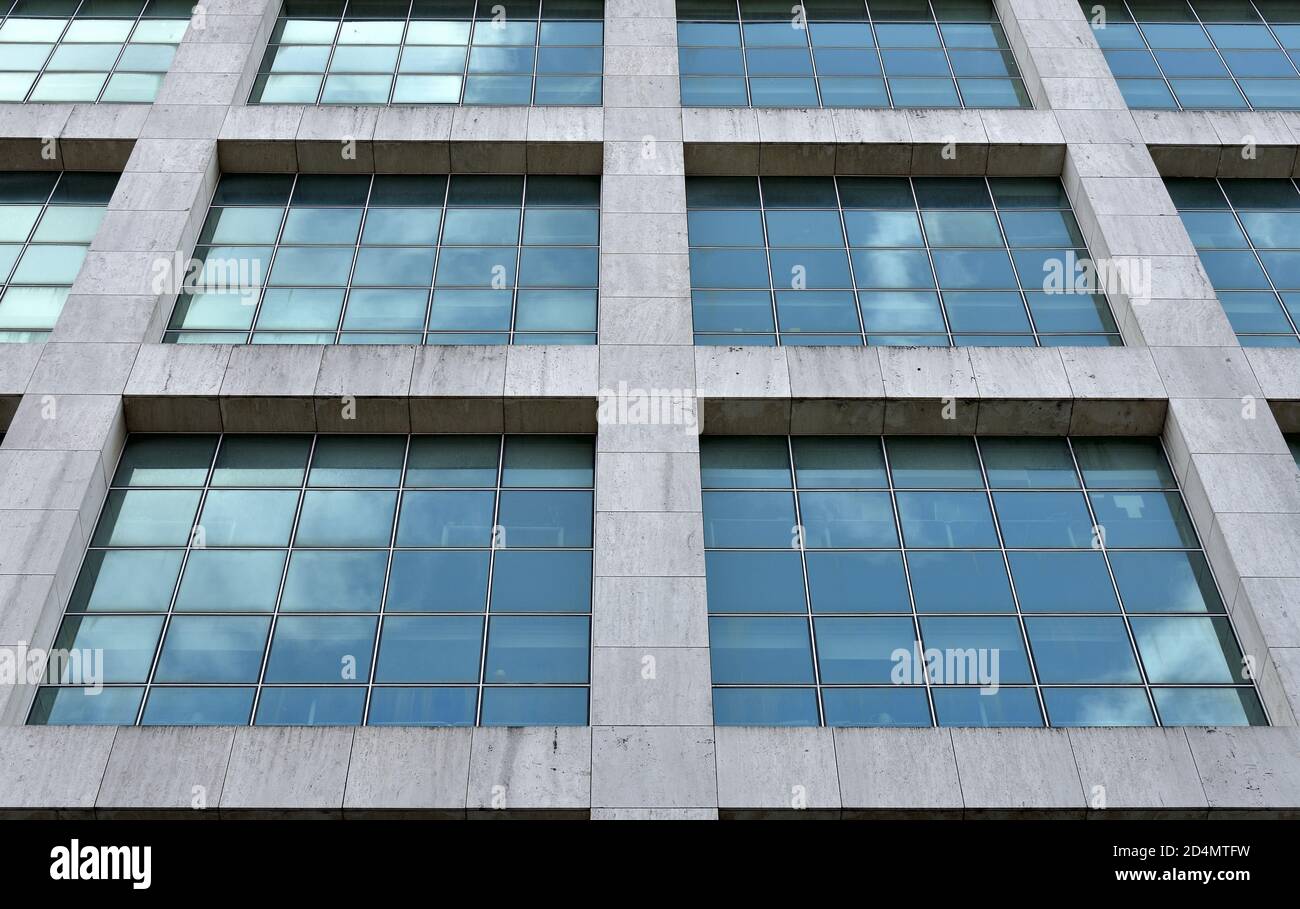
(126, 289)
(1241, 486)
(652, 737)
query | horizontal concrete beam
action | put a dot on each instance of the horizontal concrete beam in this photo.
(600, 771)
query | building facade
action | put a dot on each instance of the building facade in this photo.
(589, 409)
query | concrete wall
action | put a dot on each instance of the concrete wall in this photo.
(652, 750)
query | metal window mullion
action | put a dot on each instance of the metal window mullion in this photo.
(929, 256)
(848, 248)
(383, 593)
(1105, 554)
(767, 253)
(519, 261)
(356, 256)
(1015, 599)
(744, 67)
(907, 579)
(487, 603)
(149, 680)
(425, 330)
(812, 58)
(537, 52)
(807, 594)
(284, 575)
(329, 59)
(880, 57)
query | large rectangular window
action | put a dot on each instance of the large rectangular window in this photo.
(539, 52)
(1247, 233)
(88, 50)
(890, 260)
(47, 221)
(395, 260)
(860, 581)
(845, 53)
(1208, 55)
(336, 580)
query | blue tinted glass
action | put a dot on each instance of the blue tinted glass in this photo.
(996, 642)
(1028, 463)
(545, 519)
(860, 650)
(1188, 649)
(749, 519)
(548, 461)
(430, 649)
(534, 707)
(422, 707)
(739, 462)
(125, 581)
(567, 588)
(1165, 582)
(346, 518)
(875, 707)
(198, 707)
(321, 649)
(78, 706)
(261, 461)
(765, 706)
(1208, 706)
(438, 582)
(892, 268)
(946, 520)
(847, 520)
(129, 640)
(310, 706)
(334, 581)
(960, 582)
(933, 462)
(1051, 520)
(838, 461)
(165, 461)
(1123, 464)
(969, 707)
(146, 517)
(1082, 650)
(755, 582)
(760, 650)
(853, 581)
(213, 649)
(445, 519)
(537, 649)
(1097, 707)
(1062, 582)
(357, 461)
(1132, 520)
